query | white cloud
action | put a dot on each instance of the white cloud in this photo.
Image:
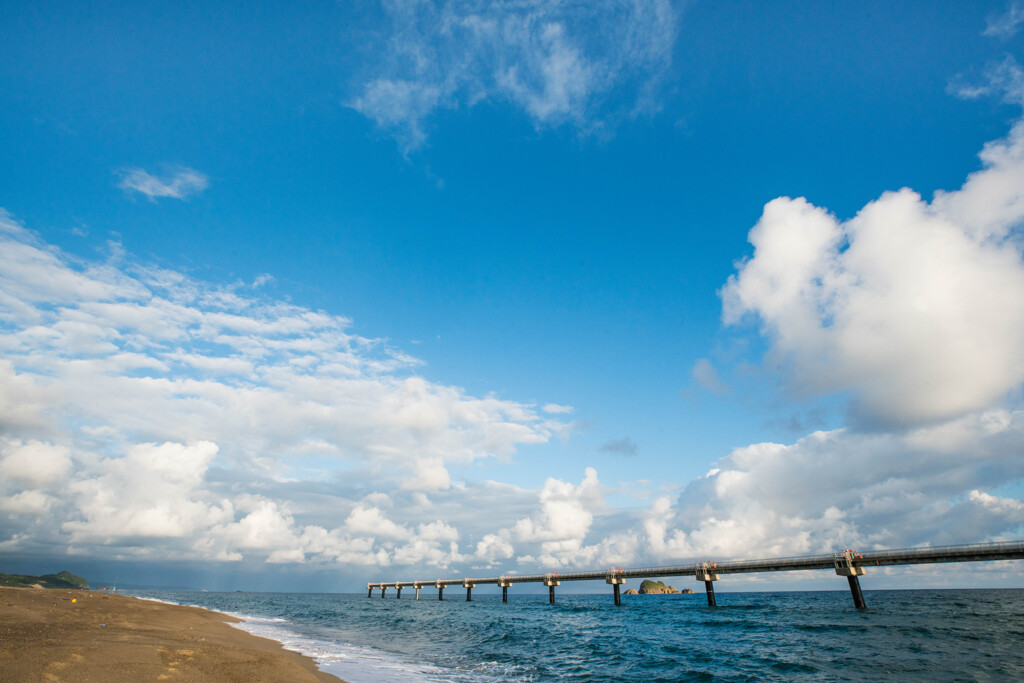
(559, 62)
(156, 416)
(151, 492)
(555, 409)
(27, 503)
(370, 521)
(846, 489)
(1006, 25)
(34, 464)
(180, 182)
(493, 548)
(915, 308)
(562, 523)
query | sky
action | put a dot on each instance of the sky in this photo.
(305, 295)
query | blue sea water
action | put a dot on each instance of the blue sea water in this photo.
(812, 636)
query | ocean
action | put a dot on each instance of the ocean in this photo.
(806, 636)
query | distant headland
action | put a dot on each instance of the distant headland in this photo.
(61, 580)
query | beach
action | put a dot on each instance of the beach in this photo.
(71, 635)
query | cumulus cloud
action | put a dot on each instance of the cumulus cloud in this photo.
(560, 525)
(914, 311)
(915, 308)
(35, 463)
(179, 182)
(558, 62)
(848, 489)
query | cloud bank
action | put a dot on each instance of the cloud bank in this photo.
(584, 64)
(154, 415)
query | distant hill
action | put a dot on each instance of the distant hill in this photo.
(62, 580)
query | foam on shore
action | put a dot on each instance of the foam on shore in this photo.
(353, 663)
(350, 662)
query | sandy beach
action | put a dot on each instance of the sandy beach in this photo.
(66, 635)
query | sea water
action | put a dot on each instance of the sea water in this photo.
(813, 636)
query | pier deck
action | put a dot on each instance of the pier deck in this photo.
(846, 563)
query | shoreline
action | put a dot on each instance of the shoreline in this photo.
(62, 634)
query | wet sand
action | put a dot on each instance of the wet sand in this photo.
(65, 635)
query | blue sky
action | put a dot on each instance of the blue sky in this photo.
(354, 290)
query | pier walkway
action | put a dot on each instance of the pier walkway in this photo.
(848, 563)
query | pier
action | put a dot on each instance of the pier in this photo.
(847, 563)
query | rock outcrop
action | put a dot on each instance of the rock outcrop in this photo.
(649, 587)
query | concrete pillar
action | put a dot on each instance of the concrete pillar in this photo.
(469, 589)
(705, 573)
(504, 582)
(417, 587)
(616, 579)
(369, 591)
(845, 567)
(504, 593)
(399, 597)
(440, 592)
(858, 596)
(551, 580)
(709, 588)
(383, 590)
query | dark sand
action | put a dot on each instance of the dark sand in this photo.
(44, 636)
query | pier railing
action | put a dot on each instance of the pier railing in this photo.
(846, 563)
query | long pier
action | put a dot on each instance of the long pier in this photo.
(848, 563)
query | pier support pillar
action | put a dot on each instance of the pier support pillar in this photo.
(369, 591)
(551, 580)
(705, 573)
(468, 583)
(709, 588)
(504, 582)
(504, 593)
(616, 579)
(399, 596)
(440, 593)
(845, 567)
(858, 596)
(383, 590)
(417, 587)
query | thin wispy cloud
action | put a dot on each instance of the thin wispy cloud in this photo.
(179, 182)
(1007, 24)
(583, 64)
